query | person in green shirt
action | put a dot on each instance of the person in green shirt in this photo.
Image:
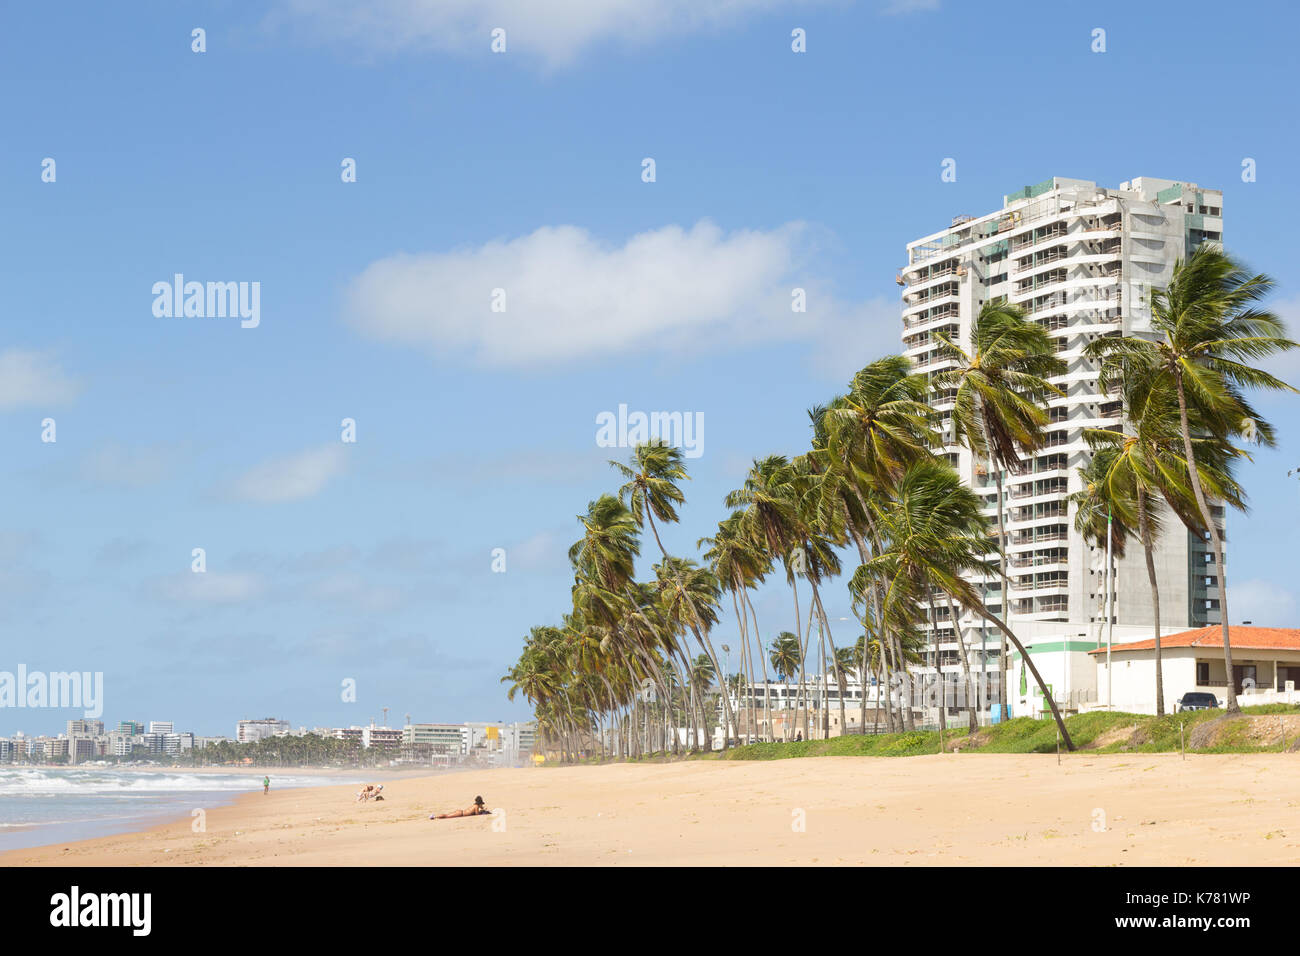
(266, 785)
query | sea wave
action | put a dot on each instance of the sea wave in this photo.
(44, 781)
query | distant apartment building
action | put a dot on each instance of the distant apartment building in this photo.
(6, 750)
(130, 727)
(85, 728)
(248, 731)
(1081, 261)
(175, 744)
(48, 749)
(81, 749)
(448, 739)
(161, 727)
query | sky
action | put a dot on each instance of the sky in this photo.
(499, 274)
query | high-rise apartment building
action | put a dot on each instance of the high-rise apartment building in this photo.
(248, 731)
(1081, 261)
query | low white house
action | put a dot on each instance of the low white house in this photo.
(1266, 667)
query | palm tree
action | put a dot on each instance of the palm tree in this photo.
(701, 676)
(1001, 389)
(843, 663)
(937, 537)
(867, 438)
(651, 492)
(739, 565)
(1135, 470)
(770, 522)
(1207, 332)
(784, 655)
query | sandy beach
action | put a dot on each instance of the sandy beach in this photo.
(976, 809)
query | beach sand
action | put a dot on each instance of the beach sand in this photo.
(972, 809)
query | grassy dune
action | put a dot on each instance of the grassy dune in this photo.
(1258, 729)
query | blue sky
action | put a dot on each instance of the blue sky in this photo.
(520, 170)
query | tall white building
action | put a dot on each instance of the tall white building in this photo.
(247, 731)
(1081, 261)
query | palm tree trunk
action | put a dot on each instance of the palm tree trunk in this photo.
(743, 623)
(886, 653)
(827, 638)
(701, 632)
(762, 660)
(798, 629)
(1231, 691)
(940, 685)
(1144, 529)
(905, 722)
(971, 697)
(1006, 597)
(875, 720)
(864, 557)
(982, 610)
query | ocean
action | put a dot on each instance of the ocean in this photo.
(44, 805)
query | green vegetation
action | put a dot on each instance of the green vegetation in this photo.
(1130, 733)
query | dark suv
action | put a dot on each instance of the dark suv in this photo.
(1198, 701)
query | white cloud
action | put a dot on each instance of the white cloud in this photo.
(571, 296)
(293, 477)
(33, 378)
(554, 31)
(209, 587)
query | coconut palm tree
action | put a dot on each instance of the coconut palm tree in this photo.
(936, 538)
(845, 662)
(1208, 332)
(739, 565)
(1001, 390)
(867, 438)
(1133, 471)
(651, 491)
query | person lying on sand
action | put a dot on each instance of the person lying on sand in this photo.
(472, 811)
(369, 792)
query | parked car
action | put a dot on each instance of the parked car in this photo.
(1197, 701)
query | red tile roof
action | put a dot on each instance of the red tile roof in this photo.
(1260, 638)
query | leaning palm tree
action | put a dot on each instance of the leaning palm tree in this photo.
(1138, 468)
(938, 538)
(1207, 333)
(867, 439)
(1001, 390)
(739, 566)
(650, 492)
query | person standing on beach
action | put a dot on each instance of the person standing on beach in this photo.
(266, 785)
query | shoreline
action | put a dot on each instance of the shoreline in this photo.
(968, 810)
(87, 818)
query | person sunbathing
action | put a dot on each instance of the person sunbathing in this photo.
(475, 810)
(369, 792)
